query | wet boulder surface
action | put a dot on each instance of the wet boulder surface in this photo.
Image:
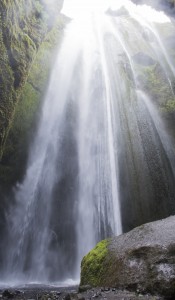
(141, 260)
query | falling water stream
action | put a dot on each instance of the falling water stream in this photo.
(101, 149)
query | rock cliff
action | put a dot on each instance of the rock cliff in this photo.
(23, 28)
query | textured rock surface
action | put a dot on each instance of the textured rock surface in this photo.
(26, 110)
(29, 32)
(23, 27)
(143, 260)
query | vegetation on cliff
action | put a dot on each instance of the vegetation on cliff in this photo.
(26, 60)
(23, 27)
(26, 111)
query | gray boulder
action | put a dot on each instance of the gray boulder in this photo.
(142, 260)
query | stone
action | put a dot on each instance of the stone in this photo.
(18, 292)
(58, 293)
(80, 297)
(7, 294)
(84, 288)
(67, 297)
(95, 296)
(142, 260)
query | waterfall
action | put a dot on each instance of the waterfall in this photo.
(101, 152)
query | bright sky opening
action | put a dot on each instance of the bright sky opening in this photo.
(84, 8)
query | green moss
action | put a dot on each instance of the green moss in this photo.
(28, 41)
(24, 123)
(42, 65)
(6, 89)
(15, 154)
(154, 81)
(92, 266)
(22, 30)
(169, 107)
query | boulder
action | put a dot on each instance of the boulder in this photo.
(141, 260)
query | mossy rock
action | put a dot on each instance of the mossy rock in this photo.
(22, 30)
(141, 260)
(154, 82)
(24, 123)
(92, 268)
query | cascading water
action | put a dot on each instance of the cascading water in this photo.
(99, 151)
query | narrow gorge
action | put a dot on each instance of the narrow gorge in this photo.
(87, 136)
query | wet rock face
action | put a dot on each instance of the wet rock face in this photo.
(143, 260)
(23, 27)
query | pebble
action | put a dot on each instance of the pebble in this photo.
(84, 288)
(104, 293)
(17, 292)
(7, 294)
(80, 297)
(67, 297)
(95, 296)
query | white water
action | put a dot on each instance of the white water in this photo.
(71, 195)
